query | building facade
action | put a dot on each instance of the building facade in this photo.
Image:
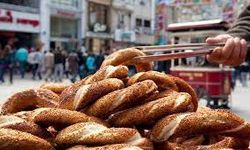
(178, 12)
(93, 25)
(144, 21)
(62, 24)
(98, 36)
(111, 24)
(122, 26)
(19, 22)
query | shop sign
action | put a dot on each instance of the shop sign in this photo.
(19, 21)
(99, 35)
(123, 4)
(65, 13)
(102, 2)
(124, 36)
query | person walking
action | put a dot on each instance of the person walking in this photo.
(12, 62)
(39, 61)
(58, 72)
(49, 62)
(244, 68)
(3, 62)
(91, 63)
(32, 62)
(73, 65)
(82, 65)
(21, 57)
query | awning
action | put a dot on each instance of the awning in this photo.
(198, 25)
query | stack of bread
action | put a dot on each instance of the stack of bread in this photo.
(110, 110)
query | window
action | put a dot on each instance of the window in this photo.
(71, 3)
(62, 27)
(98, 17)
(27, 3)
(138, 22)
(147, 23)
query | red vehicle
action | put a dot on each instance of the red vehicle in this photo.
(212, 82)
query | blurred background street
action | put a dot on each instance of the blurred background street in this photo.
(66, 40)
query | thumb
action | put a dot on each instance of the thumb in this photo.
(218, 39)
(212, 40)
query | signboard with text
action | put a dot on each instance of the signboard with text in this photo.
(124, 36)
(19, 21)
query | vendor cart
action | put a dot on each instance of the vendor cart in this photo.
(211, 82)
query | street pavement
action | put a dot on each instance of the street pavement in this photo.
(240, 96)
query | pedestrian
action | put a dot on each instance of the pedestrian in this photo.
(32, 62)
(244, 69)
(4, 62)
(58, 71)
(235, 50)
(91, 63)
(99, 59)
(21, 57)
(73, 65)
(12, 63)
(49, 62)
(82, 65)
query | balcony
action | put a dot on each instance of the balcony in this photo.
(144, 30)
(123, 4)
(125, 35)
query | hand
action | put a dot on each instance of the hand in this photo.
(233, 53)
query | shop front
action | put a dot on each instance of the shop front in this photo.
(64, 29)
(98, 43)
(18, 28)
(98, 35)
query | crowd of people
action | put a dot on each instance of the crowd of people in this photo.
(53, 65)
(57, 64)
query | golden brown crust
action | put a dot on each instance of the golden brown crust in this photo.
(183, 86)
(162, 80)
(214, 122)
(13, 139)
(161, 94)
(140, 144)
(124, 57)
(121, 99)
(30, 99)
(67, 96)
(91, 133)
(109, 71)
(60, 118)
(222, 142)
(16, 123)
(150, 112)
(87, 94)
(107, 147)
(55, 87)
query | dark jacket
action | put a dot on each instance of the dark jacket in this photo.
(241, 27)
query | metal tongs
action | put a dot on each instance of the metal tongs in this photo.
(198, 49)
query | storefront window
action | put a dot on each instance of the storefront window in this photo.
(63, 27)
(27, 3)
(70, 3)
(98, 18)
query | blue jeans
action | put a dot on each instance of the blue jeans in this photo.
(22, 68)
(2, 71)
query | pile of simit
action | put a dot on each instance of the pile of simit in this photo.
(111, 111)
